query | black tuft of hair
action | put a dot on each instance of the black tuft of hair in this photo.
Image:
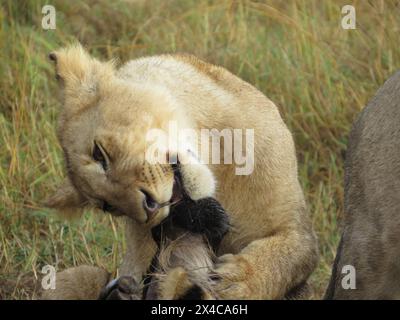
(205, 216)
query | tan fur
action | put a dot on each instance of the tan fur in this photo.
(271, 248)
(182, 263)
(174, 285)
(79, 283)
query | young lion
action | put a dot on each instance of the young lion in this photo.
(271, 248)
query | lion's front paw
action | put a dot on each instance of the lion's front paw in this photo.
(123, 288)
(235, 278)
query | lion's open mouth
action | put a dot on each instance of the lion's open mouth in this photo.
(177, 191)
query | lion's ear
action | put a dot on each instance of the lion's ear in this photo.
(66, 199)
(79, 75)
(74, 66)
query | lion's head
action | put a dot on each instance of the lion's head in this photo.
(102, 131)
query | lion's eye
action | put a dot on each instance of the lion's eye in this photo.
(98, 156)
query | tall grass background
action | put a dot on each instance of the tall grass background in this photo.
(296, 52)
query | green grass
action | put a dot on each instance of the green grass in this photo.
(295, 52)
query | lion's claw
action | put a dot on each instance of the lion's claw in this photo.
(123, 288)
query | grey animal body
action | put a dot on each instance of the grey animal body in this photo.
(370, 239)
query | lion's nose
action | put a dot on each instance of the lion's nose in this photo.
(150, 205)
